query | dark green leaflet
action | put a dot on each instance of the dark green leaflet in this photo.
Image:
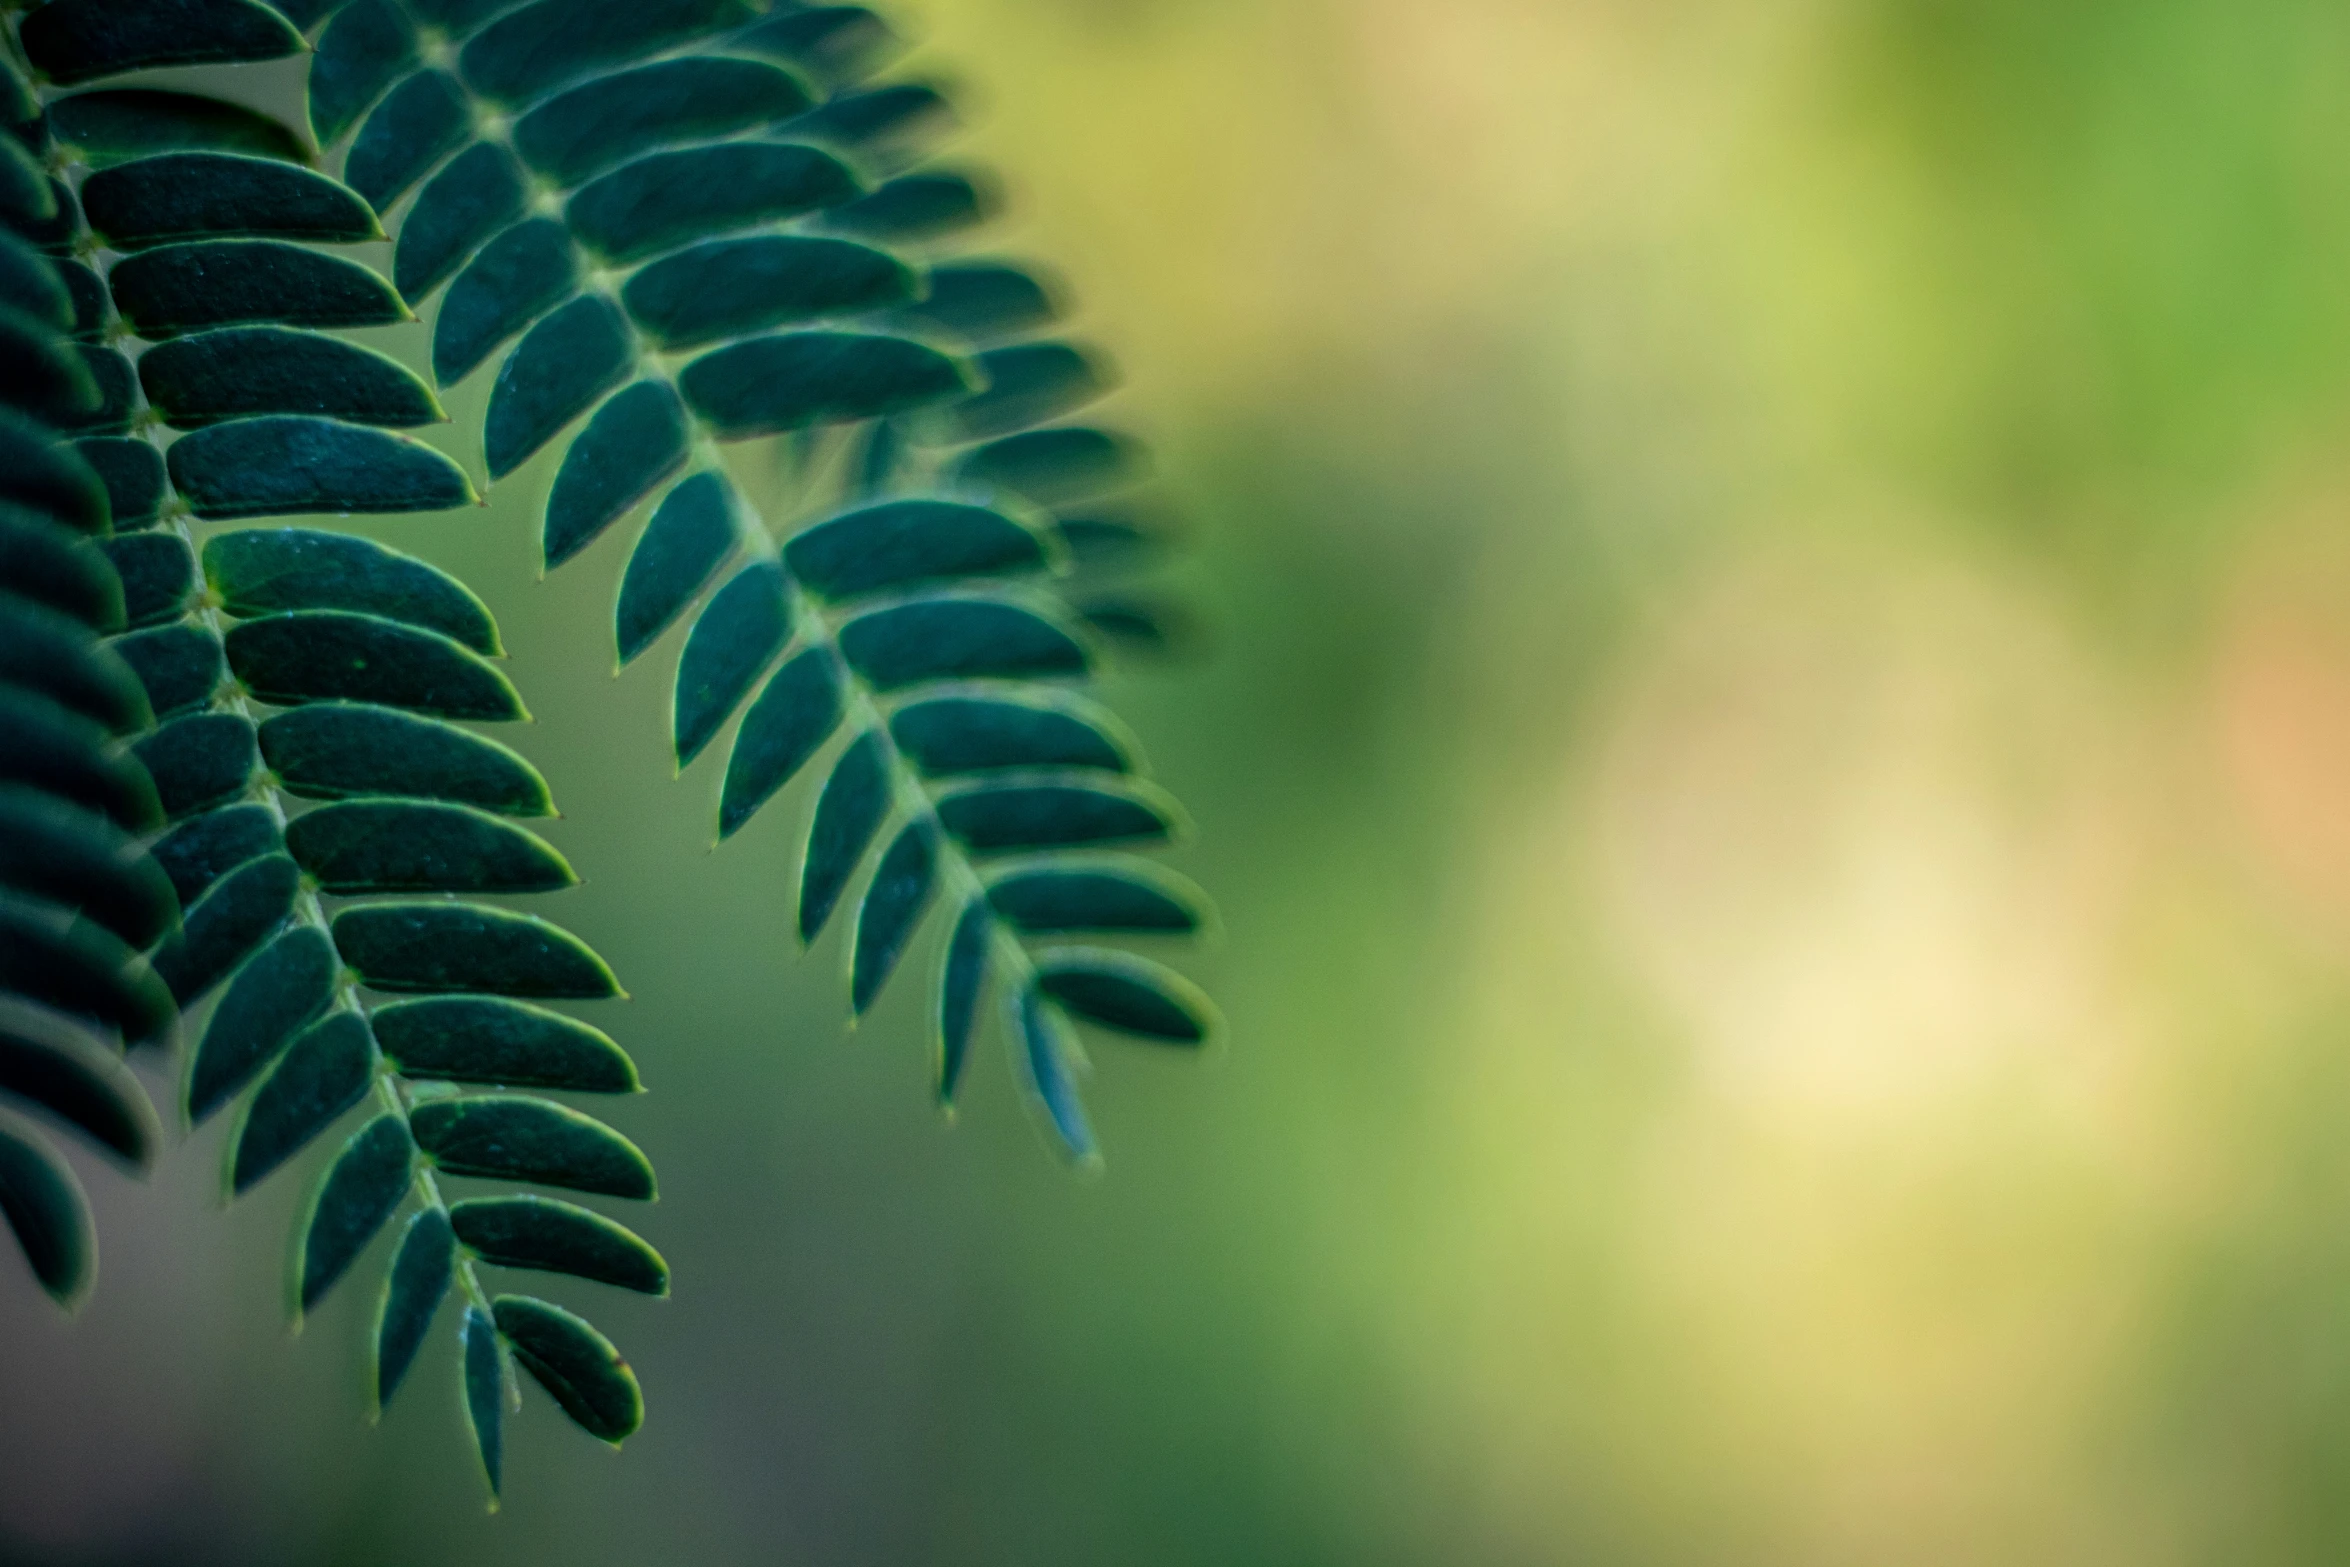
(730, 287)
(892, 908)
(411, 130)
(43, 1205)
(792, 718)
(1121, 991)
(40, 560)
(189, 288)
(116, 125)
(262, 570)
(36, 285)
(474, 1039)
(563, 365)
(575, 1364)
(363, 846)
(334, 750)
(55, 656)
(358, 1196)
(535, 1140)
(741, 628)
(197, 853)
(443, 947)
(914, 207)
(278, 990)
(478, 193)
(77, 966)
(200, 761)
(993, 816)
(849, 812)
(958, 638)
(1046, 1056)
(287, 464)
(559, 1237)
(669, 198)
(179, 666)
(366, 48)
(581, 133)
(420, 1275)
(637, 439)
(73, 41)
(334, 655)
(1028, 384)
(510, 282)
(132, 473)
(218, 195)
(897, 544)
(1055, 896)
(964, 973)
(789, 381)
(79, 860)
(981, 301)
(226, 923)
(68, 755)
(68, 1070)
(485, 1397)
(237, 372)
(975, 733)
(324, 1072)
(86, 294)
(690, 536)
(1050, 467)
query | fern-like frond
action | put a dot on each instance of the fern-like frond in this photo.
(328, 810)
(673, 225)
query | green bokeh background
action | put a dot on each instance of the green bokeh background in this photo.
(1774, 746)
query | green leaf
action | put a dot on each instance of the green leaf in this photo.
(38, 473)
(219, 195)
(1021, 814)
(28, 198)
(511, 282)
(42, 376)
(957, 639)
(692, 532)
(477, 194)
(790, 381)
(43, 1204)
(130, 470)
(893, 907)
(884, 120)
(158, 573)
(76, 40)
(277, 991)
(914, 207)
(361, 1191)
(420, 1275)
(420, 122)
(199, 852)
(984, 300)
(837, 43)
(364, 50)
(975, 733)
(1119, 990)
(179, 667)
(788, 724)
(516, 1137)
(200, 761)
(963, 974)
(119, 124)
(903, 542)
(52, 1061)
(117, 384)
(324, 1072)
(546, 45)
(334, 655)
(236, 372)
(36, 284)
(285, 465)
(736, 634)
(67, 755)
(730, 287)
(86, 292)
(55, 656)
(670, 198)
(189, 288)
(1108, 895)
(78, 859)
(848, 813)
(363, 846)
(1027, 384)
(485, 1397)
(43, 562)
(440, 947)
(49, 955)
(575, 1364)
(472, 1039)
(637, 439)
(1111, 538)
(1048, 1060)
(1051, 466)
(583, 132)
(259, 571)
(334, 750)
(554, 375)
(559, 1237)
(228, 922)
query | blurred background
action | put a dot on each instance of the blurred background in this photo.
(1775, 752)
